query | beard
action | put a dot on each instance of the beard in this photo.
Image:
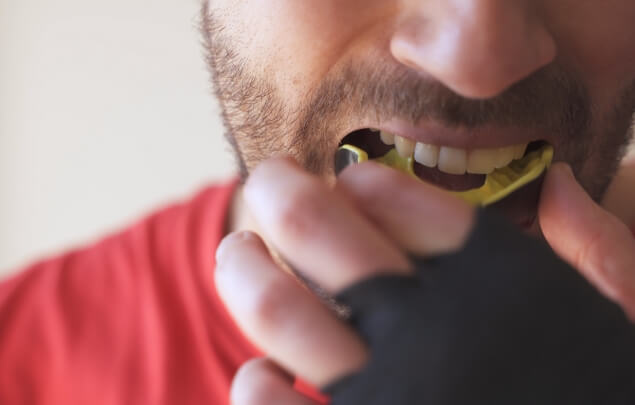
(553, 100)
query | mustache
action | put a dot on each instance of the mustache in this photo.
(551, 98)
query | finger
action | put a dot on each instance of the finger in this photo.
(261, 382)
(588, 237)
(316, 229)
(284, 319)
(420, 217)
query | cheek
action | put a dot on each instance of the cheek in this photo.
(295, 42)
(598, 39)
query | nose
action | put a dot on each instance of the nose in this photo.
(477, 48)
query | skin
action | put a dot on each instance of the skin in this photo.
(338, 235)
(620, 197)
(295, 78)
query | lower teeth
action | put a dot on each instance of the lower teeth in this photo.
(498, 184)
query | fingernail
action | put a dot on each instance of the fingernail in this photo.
(567, 169)
(563, 176)
(563, 169)
(230, 240)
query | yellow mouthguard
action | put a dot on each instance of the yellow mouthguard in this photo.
(498, 184)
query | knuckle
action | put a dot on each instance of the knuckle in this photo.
(367, 179)
(269, 308)
(297, 212)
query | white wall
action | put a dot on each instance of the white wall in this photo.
(105, 113)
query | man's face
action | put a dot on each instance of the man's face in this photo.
(465, 79)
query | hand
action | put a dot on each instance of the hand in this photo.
(591, 239)
(336, 238)
(316, 345)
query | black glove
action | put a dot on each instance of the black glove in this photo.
(504, 321)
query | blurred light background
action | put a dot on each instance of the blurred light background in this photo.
(105, 115)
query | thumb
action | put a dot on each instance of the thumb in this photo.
(593, 241)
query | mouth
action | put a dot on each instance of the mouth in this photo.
(507, 177)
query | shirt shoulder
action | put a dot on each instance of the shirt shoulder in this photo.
(134, 318)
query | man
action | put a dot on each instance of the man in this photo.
(136, 318)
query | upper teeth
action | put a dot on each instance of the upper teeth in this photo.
(455, 160)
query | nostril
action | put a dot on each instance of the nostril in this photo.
(408, 52)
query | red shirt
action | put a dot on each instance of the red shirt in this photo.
(133, 319)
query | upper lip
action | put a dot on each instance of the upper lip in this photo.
(482, 137)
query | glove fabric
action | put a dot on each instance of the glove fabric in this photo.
(503, 321)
